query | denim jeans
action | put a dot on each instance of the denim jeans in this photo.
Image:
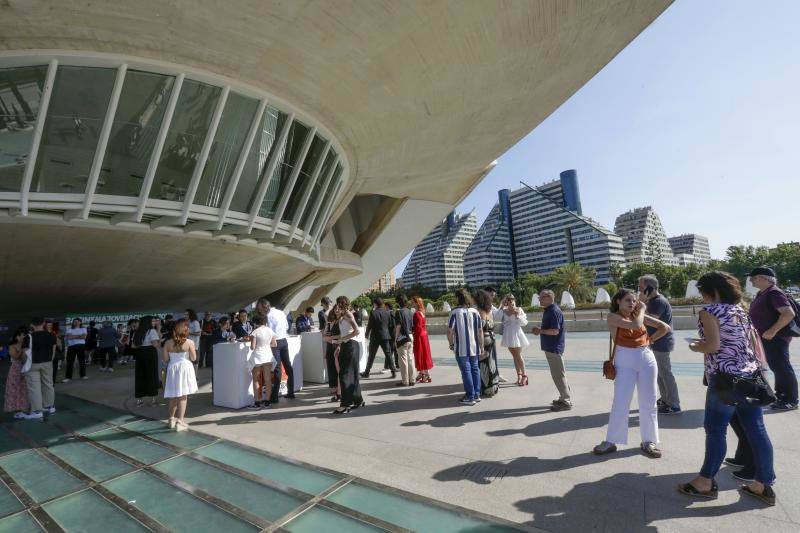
(777, 352)
(470, 375)
(717, 417)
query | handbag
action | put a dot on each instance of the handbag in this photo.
(737, 390)
(27, 354)
(609, 370)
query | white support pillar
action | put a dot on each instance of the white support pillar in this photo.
(277, 148)
(309, 188)
(201, 161)
(240, 164)
(105, 132)
(325, 215)
(38, 128)
(314, 209)
(159, 146)
(276, 220)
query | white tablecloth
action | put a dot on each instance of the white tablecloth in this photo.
(313, 351)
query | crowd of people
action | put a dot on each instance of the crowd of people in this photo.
(737, 344)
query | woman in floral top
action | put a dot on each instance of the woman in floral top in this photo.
(726, 341)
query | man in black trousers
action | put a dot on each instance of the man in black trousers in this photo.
(379, 331)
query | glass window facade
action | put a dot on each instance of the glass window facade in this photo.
(20, 95)
(140, 112)
(287, 160)
(72, 128)
(76, 113)
(187, 132)
(228, 141)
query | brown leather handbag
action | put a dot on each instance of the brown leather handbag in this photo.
(609, 370)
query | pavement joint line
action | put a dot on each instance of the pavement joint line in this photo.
(130, 509)
(371, 520)
(294, 513)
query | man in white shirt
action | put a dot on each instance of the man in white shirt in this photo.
(76, 344)
(277, 322)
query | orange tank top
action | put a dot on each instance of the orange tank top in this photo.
(632, 338)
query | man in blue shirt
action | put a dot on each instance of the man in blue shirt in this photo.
(660, 308)
(552, 341)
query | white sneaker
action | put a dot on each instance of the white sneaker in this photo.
(37, 415)
(85, 377)
(65, 380)
(51, 409)
(503, 380)
(384, 371)
(19, 415)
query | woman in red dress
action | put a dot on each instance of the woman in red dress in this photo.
(422, 348)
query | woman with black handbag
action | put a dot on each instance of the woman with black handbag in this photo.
(735, 386)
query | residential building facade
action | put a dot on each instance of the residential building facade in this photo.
(643, 237)
(438, 261)
(490, 258)
(690, 248)
(385, 283)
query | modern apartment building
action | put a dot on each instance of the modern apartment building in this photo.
(643, 237)
(385, 283)
(690, 248)
(546, 228)
(438, 261)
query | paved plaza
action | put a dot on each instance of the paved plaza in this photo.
(509, 456)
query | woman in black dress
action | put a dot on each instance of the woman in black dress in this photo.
(349, 355)
(146, 344)
(330, 333)
(490, 377)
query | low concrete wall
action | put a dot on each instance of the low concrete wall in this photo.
(438, 325)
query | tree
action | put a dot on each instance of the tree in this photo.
(577, 279)
(785, 259)
(739, 260)
(616, 271)
(678, 283)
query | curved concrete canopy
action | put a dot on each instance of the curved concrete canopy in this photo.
(421, 96)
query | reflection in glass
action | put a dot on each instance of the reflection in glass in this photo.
(187, 132)
(327, 198)
(317, 190)
(272, 123)
(287, 160)
(20, 95)
(138, 119)
(225, 151)
(315, 152)
(74, 119)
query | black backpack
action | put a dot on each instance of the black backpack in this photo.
(792, 329)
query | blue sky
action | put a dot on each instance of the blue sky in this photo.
(698, 117)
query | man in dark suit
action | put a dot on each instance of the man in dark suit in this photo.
(379, 331)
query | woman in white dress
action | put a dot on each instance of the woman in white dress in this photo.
(179, 354)
(514, 319)
(262, 340)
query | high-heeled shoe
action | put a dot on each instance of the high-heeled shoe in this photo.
(519, 379)
(427, 379)
(362, 404)
(523, 380)
(420, 378)
(341, 411)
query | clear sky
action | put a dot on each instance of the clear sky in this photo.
(699, 117)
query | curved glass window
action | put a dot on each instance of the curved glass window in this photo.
(187, 132)
(75, 117)
(287, 160)
(226, 149)
(272, 123)
(315, 152)
(327, 198)
(20, 96)
(317, 191)
(140, 112)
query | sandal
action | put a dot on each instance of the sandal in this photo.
(767, 495)
(604, 448)
(523, 380)
(341, 411)
(650, 450)
(427, 379)
(690, 490)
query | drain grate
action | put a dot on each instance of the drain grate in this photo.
(484, 472)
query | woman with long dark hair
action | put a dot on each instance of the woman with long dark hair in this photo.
(16, 396)
(146, 344)
(179, 354)
(422, 346)
(348, 358)
(490, 377)
(329, 334)
(636, 368)
(728, 341)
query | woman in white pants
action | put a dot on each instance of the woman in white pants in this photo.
(636, 368)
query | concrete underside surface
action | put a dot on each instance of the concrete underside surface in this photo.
(508, 456)
(108, 270)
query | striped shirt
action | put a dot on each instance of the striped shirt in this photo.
(467, 335)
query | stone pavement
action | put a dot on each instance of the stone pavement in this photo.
(508, 456)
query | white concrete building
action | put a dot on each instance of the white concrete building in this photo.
(690, 248)
(643, 237)
(438, 261)
(171, 154)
